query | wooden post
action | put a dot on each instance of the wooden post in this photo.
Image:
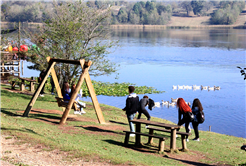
(183, 142)
(37, 92)
(22, 85)
(19, 35)
(173, 139)
(138, 136)
(94, 99)
(55, 80)
(151, 132)
(22, 69)
(75, 93)
(3, 69)
(31, 86)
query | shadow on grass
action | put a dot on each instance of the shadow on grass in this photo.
(96, 129)
(190, 162)
(26, 96)
(43, 117)
(21, 130)
(121, 123)
(4, 111)
(142, 148)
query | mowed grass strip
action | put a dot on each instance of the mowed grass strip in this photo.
(83, 137)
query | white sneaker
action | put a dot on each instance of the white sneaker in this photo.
(41, 95)
(197, 139)
(146, 126)
(82, 111)
(177, 136)
(132, 135)
(187, 140)
(52, 93)
(77, 112)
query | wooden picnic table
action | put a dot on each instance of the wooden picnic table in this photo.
(171, 127)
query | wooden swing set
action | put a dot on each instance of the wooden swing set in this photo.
(84, 75)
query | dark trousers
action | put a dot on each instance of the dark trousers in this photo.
(195, 127)
(145, 112)
(42, 91)
(186, 122)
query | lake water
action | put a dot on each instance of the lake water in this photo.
(163, 58)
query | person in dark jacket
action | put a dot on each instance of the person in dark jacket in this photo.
(132, 104)
(142, 104)
(196, 108)
(40, 79)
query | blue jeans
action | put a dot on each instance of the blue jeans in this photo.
(131, 117)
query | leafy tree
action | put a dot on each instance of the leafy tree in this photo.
(187, 6)
(174, 6)
(197, 6)
(75, 32)
(133, 17)
(150, 6)
(160, 9)
(215, 3)
(207, 5)
(142, 4)
(137, 8)
(122, 15)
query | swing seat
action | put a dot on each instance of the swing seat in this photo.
(63, 103)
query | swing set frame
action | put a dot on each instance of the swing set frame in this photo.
(84, 76)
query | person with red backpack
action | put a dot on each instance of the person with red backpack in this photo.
(184, 109)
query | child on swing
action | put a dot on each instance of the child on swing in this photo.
(80, 104)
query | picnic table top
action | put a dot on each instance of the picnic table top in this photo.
(30, 80)
(147, 122)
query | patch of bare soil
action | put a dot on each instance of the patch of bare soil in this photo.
(12, 153)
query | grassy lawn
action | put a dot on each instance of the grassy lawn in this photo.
(83, 137)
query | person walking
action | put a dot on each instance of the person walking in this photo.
(40, 79)
(196, 109)
(142, 110)
(132, 105)
(183, 116)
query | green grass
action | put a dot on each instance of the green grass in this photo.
(100, 142)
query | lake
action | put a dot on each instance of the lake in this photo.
(163, 58)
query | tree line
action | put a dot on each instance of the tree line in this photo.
(124, 12)
(149, 13)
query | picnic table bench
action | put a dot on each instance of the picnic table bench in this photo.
(170, 127)
(161, 139)
(183, 135)
(22, 84)
(63, 103)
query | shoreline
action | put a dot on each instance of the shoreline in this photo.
(5, 25)
(155, 27)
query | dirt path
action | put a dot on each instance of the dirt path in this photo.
(13, 153)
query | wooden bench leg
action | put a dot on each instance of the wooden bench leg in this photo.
(22, 85)
(161, 145)
(173, 140)
(127, 138)
(13, 83)
(31, 86)
(183, 142)
(151, 132)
